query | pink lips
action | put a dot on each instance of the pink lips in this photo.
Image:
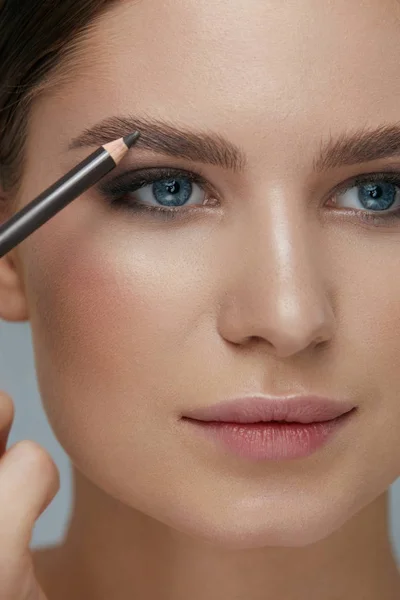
(274, 428)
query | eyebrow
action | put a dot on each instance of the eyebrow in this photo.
(363, 145)
(163, 137)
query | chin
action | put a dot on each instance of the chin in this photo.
(242, 538)
(259, 522)
(296, 525)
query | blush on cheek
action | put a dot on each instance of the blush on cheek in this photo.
(119, 325)
(100, 314)
(86, 318)
(107, 333)
(83, 309)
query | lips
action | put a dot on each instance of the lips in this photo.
(259, 409)
(276, 428)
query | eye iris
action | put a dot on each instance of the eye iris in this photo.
(375, 196)
(172, 192)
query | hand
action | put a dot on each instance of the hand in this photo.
(29, 480)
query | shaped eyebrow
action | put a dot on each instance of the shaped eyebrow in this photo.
(162, 137)
(360, 146)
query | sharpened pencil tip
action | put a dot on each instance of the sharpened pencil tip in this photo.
(130, 139)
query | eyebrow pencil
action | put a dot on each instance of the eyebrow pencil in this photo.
(64, 191)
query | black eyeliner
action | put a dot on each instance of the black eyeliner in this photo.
(136, 179)
(116, 191)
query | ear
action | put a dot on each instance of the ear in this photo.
(13, 304)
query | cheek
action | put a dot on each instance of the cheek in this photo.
(102, 314)
(110, 318)
(378, 327)
(362, 268)
(118, 327)
(373, 319)
(369, 351)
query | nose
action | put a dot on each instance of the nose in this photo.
(278, 293)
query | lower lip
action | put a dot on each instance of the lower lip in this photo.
(271, 441)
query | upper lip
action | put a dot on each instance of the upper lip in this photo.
(255, 409)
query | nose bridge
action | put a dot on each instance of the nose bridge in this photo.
(291, 263)
(280, 290)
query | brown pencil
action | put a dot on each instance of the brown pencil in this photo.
(63, 192)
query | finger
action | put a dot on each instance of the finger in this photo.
(29, 480)
(6, 420)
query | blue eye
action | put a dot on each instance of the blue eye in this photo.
(164, 191)
(371, 195)
(172, 192)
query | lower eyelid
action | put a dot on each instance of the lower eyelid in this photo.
(389, 219)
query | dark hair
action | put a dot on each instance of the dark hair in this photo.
(35, 37)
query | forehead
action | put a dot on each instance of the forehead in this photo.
(296, 67)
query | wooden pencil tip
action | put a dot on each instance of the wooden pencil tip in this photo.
(130, 139)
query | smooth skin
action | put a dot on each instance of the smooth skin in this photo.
(276, 291)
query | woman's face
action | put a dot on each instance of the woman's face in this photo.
(271, 278)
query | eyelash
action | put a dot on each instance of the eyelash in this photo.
(116, 193)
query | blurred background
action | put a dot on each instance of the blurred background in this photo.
(18, 378)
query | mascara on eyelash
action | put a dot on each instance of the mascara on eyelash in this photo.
(131, 181)
(116, 191)
(376, 178)
(387, 177)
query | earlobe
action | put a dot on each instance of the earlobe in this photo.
(13, 305)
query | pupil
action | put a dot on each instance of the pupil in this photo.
(172, 187)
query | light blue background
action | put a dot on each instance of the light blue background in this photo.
(18, 378)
